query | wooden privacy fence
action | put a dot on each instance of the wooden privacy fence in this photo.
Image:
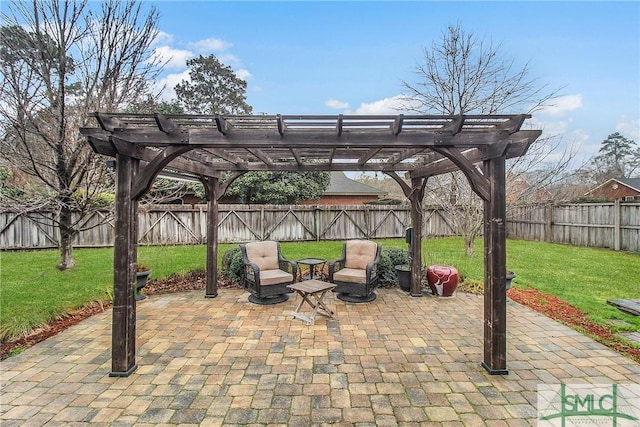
(603, 225)
(186, 224)
(606, 225)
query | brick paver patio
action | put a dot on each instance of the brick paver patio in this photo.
(396, 361)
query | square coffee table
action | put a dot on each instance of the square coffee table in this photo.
(308, 290)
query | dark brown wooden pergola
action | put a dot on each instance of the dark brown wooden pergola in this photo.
(211, 146)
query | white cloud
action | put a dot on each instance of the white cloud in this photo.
(336, 105)
(549, 127)
(577, 141)
(629, 128)
(219, 46)
(168, 82)
(243, 74)
(579, 137)
(163, 38)
(229, 59)
(562, 105)
(393, 105)
(175, 58)
(210, 45)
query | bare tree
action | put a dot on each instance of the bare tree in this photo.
(531, 179)
(462, 208)
(61, 60)
(462, 74)
(540, 175)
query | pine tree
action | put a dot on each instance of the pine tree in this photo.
(214, 88)
(617, 158)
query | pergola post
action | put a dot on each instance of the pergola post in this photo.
(495, 269)
(211, 191)
(416, 196)
(123, 336)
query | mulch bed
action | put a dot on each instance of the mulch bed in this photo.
(545, 304)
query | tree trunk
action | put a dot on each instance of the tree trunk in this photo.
(469, 241)
(66, 240)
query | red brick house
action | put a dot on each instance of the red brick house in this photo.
(345, 191)
(341, 191)
(626, 189)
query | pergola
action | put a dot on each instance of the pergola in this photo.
(216, 149)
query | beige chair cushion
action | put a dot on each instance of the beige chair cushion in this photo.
(351, 275)
(359, 253)
(274, 277)
(264, 254)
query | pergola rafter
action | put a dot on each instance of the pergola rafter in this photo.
(211, 146)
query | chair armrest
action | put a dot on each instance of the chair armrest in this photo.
(372, 270)
(288, 266)
(334, 266)
(252, 272)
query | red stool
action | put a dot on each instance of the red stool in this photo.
(443, 280)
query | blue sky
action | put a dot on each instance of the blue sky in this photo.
(351, 57)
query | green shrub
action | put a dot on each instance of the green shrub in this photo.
(383, 202)
(389, 258)
(232, 265)
(95, 200)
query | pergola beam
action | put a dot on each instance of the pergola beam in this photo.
(403, 155)
(296, 156)
(226, 156)
(180, 164)
(478, 182)
(145, 178)
(281, 125)
(165, 124)
(396, 128)
(512, 150)
(221, 125)
(260, 155)
(368, 156)
(268, 138)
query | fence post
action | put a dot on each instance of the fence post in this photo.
(202, 220)
(548, 235)
(263, 226)
(367, 220)
(617, 213)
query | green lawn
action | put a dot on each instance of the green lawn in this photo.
(33, 292)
